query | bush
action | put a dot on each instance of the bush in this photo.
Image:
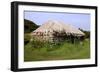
(37, 43)
(87, 33)
(27, 38)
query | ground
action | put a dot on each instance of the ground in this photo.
(62, 51)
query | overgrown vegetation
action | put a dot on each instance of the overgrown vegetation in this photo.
(38, 51)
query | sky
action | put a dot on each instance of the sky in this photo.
(78, 20)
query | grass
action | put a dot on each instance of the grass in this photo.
(60, 51)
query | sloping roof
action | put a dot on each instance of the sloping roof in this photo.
(52, 25)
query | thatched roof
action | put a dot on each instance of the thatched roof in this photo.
(58, 26)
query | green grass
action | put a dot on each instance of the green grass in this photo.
(60, 51)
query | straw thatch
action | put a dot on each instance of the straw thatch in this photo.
(47, 30)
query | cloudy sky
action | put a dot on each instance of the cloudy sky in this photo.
(75, 19)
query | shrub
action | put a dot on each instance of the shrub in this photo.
(37, 43)
(27, 38)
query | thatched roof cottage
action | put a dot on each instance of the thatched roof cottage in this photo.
(56, 30)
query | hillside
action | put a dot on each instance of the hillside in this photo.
(29, 26)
